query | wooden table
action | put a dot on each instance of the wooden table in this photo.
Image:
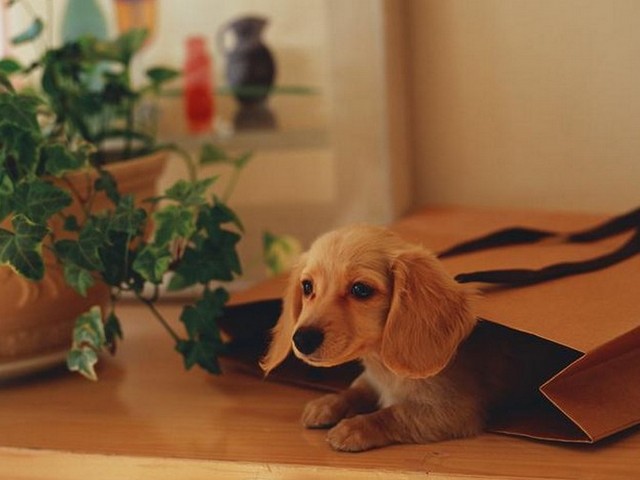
(148, 418)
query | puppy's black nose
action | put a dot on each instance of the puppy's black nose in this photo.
(308, 339)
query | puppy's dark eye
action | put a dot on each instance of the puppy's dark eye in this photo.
(307, 287)
(361, 290)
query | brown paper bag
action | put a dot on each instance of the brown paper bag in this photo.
(589, 321)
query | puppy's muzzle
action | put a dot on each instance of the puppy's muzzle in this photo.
(308, 339)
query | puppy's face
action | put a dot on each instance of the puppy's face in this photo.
(345, 292)
(363, 290)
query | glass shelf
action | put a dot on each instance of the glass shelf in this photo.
(297, 122)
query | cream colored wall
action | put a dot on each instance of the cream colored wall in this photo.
(526, 103)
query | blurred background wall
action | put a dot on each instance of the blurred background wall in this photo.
(531, 103)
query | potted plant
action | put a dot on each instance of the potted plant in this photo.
(65, 214)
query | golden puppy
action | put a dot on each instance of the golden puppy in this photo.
(363, 293)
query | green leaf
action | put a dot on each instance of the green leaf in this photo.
(127, 217)
(78, 278)
(6, 195)
(31, 33)
(173, 221)
(130, 42)
(152, 263)
(9, 66)
(211, 258)
(160, 75)
(112, 331)
(20, 131)
(218, 214)
(117, 259)
(241, 161)
(279, 252)
(200, 319)
(20, 111)
(88, 340)
(204, 343)
(198, 353)
(180, 281)
(106, 182)
(21, 249)
(71, 224)
(190, 193)
(83, 252)
(39, 200)
(83, 361)
(58, 160)
(211, 154)
(6, 83)
(89, 330)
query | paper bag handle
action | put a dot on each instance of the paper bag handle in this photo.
(521, 236)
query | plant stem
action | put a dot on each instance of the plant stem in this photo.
(159, 317)
(231, 186)
(130, 120)
(192, 168)
(51, 22)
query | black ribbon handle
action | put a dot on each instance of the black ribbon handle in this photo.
(523, 236)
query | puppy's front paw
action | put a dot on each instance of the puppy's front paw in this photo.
(324, 412)
(355, 435)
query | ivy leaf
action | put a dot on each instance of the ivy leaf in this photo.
(131, 42)
(243, 160)
(198, 353)
(212, 258)
(83, 252)
(200, 319)
(20, 249)
(20, 142)
(106, 182)
(181, 280)
(204, 343)
(9, 66)
(78, 278)
(39, 200)
(218, 214)
(88, 329)
(71, 224)
(31, 33)
(6, 83)
(161, 75)
(190, 193)
(112, 331)
(117, 260)
(58, 160)
(6, 195)
(83, 360)
(88, 339)
(211, 154)
(20, 110)
(127, 217)
(173, 222)
(152, 263)
(19, 130)
(279, 252)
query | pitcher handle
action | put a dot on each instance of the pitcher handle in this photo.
(220, 38)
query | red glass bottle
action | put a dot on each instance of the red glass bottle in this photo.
(198, 86)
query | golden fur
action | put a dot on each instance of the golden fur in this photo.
(414, 388)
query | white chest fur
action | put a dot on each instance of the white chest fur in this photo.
(391, 388)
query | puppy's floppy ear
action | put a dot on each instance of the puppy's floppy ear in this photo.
(283, 331)
(428, 318)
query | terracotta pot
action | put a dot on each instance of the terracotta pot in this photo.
(37, 318)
